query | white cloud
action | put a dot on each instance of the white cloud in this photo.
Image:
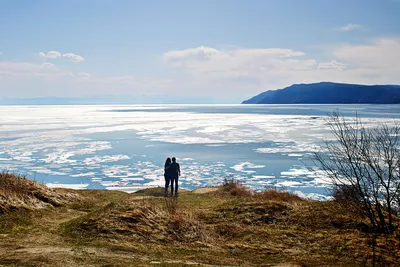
(210, 62)
(24, 68)
(73, 57)
(350, 27)
(84, 75)
(68, 56)
(240, 70)
(199, 52)
(208, 71)
(384, 54)
(50, 54)
(212, 54)
(332, 65)
(23, 79)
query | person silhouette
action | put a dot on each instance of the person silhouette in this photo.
(167, 177)
(174, 173)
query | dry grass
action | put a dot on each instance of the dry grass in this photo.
(275, 195)
(145, 220)
(17, 192)
(324, 215)
(171, 205)
(232, 187)
(229, 227)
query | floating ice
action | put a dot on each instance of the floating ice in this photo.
(129, 189)
(54, 141)
(71, 186)
(132, 179)
(288, 184)
(264, 176)
(83, 174)
(102, 159)
(242, 166)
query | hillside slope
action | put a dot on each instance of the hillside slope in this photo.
(19, 193)
(329, 93)
(227, 226)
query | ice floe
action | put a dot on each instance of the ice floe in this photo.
(83, 174)
(241, 167)
(102, 159)
(70, 186)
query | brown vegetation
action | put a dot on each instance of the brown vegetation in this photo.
(139, 221)
(234, 188)
(17, 192)
(232, 226)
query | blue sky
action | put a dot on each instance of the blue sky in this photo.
(226, 50)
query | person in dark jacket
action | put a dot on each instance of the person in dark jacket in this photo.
(167, 176)
(174, 173)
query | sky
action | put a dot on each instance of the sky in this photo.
(213, 50)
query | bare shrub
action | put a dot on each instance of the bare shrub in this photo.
(363, 164)
(346, 194)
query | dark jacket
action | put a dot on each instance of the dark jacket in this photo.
(173, 169)
(166, 170)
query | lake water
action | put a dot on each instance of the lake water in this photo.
(125, 147)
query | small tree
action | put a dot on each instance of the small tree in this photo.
(363, 164)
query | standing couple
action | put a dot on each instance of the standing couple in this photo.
(171, 173)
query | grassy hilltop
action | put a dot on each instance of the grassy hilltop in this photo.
(224, 226)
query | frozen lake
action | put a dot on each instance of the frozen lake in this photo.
(124, 147)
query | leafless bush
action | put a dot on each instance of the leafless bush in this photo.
(363, 164)
(346, 194)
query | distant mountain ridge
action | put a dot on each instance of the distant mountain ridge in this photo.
(329, 93)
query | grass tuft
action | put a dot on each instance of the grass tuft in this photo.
(273, 194)
(17, 192)
(234, 188)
